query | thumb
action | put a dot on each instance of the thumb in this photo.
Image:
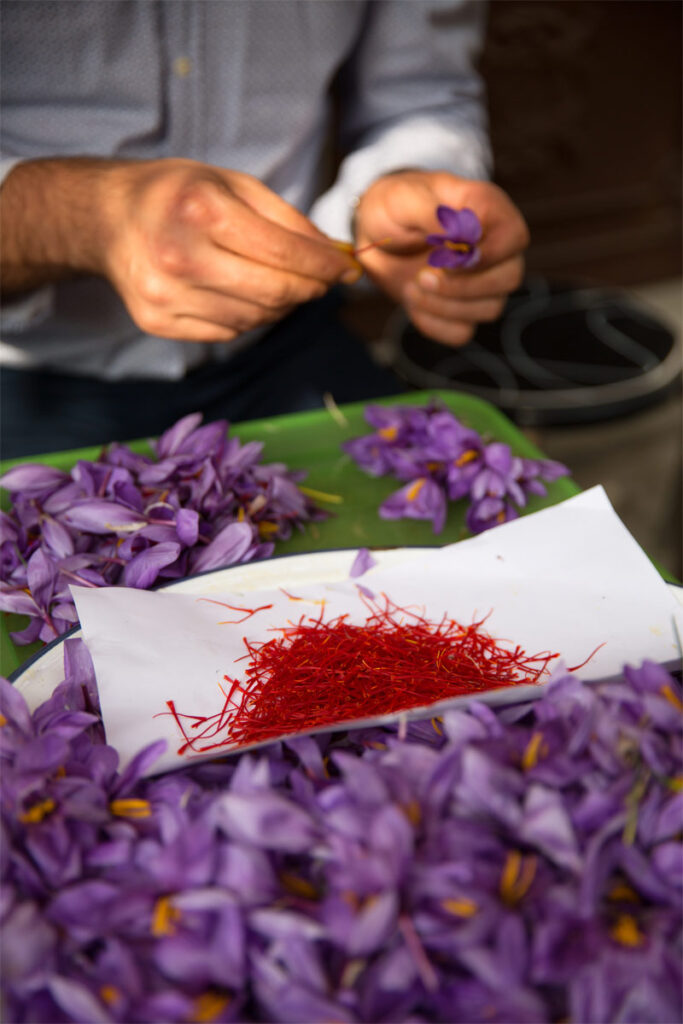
(400, 208)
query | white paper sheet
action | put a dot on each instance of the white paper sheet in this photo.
(568, 579)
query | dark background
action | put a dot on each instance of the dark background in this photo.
(585, 118)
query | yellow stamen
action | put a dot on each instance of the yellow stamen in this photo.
(676, 783)
(310, 492)
(518, 874)
(351, 973)
(436, 727)
(298, 886)
(240, 514)
(457, 246)
(414, 490)
(164, 917)
(209, 1005)
(131, 808)
(672, 697)
(460, 908)
(626, 931)
(39, 811)
(412, 811)
(532, 751)
(376, 745)
(388, 433)
(466, 457)
(109, 994)
(334, 410)
(3, 721)
(622, 891)
(266, 528)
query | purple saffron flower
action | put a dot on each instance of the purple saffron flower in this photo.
(205, 502)
(416, 444)
(519, 863)
(457, 246)
(420, 499)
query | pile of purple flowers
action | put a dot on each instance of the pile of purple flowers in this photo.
(519, 865)
(202, 501)
(441, 460)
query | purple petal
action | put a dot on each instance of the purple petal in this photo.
(448, 259)
(28, 634)
(57, 538)
(267, 820)
(469, 226)
(17, 602)
(143, 569)
(13, 707)
(97, 515)
(187, 526)
(668, 859)
(40, 575)
(361, 563)
(27, 943)
(449, 219)
(373, 925)
(32, 480)
(228, 547)
(173, 438)
(77, 1001)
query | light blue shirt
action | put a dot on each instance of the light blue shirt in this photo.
(242, 84)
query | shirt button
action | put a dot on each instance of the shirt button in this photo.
(182, 66)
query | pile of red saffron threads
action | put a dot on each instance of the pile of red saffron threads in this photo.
(317, 674)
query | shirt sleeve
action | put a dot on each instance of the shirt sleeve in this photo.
(410, 96)
(32, 308)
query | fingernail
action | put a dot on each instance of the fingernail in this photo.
(429, 280)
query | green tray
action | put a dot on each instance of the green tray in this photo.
(311, 441)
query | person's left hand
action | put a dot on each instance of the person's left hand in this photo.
(444, 304)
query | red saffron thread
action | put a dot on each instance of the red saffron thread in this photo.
(235, 608)
(317, 674)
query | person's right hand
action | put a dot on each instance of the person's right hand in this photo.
(199, 253)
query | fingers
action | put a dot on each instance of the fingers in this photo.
(470, 285)
(211, 269)
(230, 222)
(445, 308)
(449, 332)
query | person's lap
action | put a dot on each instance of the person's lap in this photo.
(288, 370)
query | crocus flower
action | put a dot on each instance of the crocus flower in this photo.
(520, 863)
(440, 459)
(457, 246)
(201, 501)
(420, 499)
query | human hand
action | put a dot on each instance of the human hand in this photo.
(199, 253)
(444, 304)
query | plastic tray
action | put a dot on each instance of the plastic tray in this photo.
(311, 441)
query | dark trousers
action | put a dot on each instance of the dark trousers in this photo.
(289, 370)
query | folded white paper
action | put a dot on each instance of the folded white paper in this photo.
(568, 579)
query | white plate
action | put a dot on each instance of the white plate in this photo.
(39, 676)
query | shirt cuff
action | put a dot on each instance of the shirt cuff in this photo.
(465, 153)
(31, 308)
